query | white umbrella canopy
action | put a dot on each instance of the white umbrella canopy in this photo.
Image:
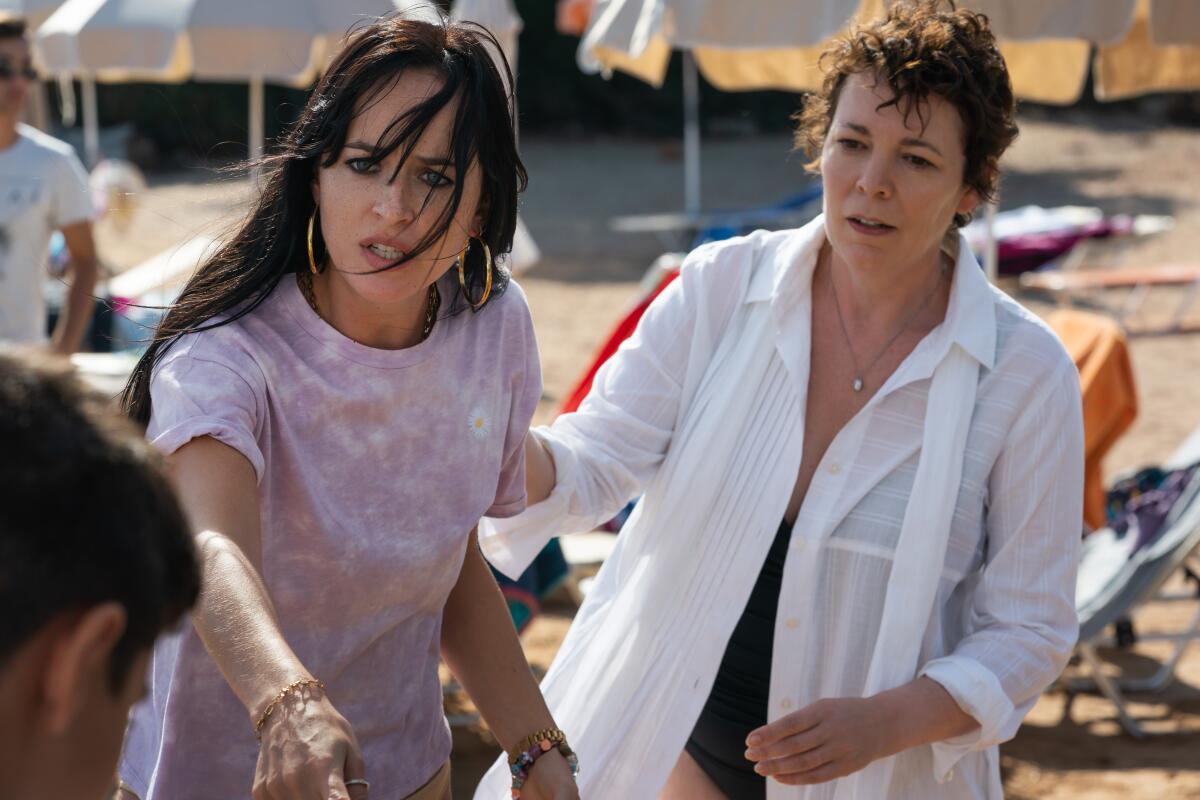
(284, 41)
(261, 41)
(32, 11)
(637, 36)
(1143, 45)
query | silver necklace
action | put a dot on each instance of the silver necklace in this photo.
(858, 374)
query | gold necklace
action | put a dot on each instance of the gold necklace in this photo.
(433, 300)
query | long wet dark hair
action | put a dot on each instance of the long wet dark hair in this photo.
(271, 242)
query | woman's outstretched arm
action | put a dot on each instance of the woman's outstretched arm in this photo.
(480, 645)
(307, 748)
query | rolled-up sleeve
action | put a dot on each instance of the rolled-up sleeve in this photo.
(606, 452)
(197, 393)
(1022, 623)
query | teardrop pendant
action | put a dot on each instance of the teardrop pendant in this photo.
(858, 384)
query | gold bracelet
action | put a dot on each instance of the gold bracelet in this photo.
(553, 736)
(284, 692)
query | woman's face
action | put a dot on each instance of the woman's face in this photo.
(370, 220)
(892, 187)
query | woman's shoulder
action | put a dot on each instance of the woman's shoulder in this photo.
(1026, 344)
(723, 270)
(224, 346)
(510, 307)
(737, 252)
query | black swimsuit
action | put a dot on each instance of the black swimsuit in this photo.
(738, 701)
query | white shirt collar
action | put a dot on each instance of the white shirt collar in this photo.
(970, 316)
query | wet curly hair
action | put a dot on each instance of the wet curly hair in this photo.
(922, 48)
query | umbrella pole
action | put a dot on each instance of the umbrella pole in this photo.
(991, 252)
(256, 124)
(91, 121)
(691, 134)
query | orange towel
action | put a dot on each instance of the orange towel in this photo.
(1100, 352)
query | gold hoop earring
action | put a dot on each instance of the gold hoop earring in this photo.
(462, 278)
(312, 259)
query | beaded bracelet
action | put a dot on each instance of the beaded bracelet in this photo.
(532, 747)
(284, 692)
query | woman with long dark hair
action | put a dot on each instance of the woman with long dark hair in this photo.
(344, 389)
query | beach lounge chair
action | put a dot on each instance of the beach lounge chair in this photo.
(1070, 287)
(1113, 584)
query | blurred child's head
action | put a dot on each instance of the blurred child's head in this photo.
(96, 561)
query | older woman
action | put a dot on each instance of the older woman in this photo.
(852, 570)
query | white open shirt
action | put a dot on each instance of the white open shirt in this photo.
(637, 665)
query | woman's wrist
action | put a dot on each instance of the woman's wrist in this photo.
(266, 690)
(548, 743)
(918, 713)
(298, 690)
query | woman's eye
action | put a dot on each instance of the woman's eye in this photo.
(850, 144)
(917, 161)
(362, 166)
(435, 180)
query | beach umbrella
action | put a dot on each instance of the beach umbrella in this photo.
(284, 42)
(1140, 45)
(32, 11)
(1132, 46)
(737, 45)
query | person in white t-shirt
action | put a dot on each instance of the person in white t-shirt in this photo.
(43, 188)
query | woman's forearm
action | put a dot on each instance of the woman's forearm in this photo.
(540, 472)
(922, 712)
(236, 621)
(480, 645)
(234, 616)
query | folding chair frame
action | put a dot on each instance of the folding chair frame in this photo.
(1113, 688)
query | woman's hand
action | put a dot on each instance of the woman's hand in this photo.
(550, 779)
(826, 740)
(308, 750)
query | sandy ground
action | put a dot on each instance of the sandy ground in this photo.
(1119, 163)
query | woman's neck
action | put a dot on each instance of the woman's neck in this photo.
(886, 298)
(392, 326)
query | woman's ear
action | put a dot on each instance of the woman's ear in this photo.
(968, 202)
(79, 661)
(480, 218)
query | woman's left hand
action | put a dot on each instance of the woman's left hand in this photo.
(826, 740)
(550, 779)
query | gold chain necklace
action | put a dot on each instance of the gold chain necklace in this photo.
(433, 301)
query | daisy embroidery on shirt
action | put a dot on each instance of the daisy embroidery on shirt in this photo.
(479, 424)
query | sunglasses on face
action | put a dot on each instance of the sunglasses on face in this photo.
(8, 72)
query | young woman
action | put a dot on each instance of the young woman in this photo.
(852, 570)
(344, 389)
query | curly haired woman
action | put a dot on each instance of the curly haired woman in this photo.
(853, 567)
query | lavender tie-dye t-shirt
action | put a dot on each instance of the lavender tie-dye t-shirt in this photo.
(372, 467)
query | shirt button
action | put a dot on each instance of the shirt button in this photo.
(835, 468)
(798, 542)
(786, 703)
(793, 623)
